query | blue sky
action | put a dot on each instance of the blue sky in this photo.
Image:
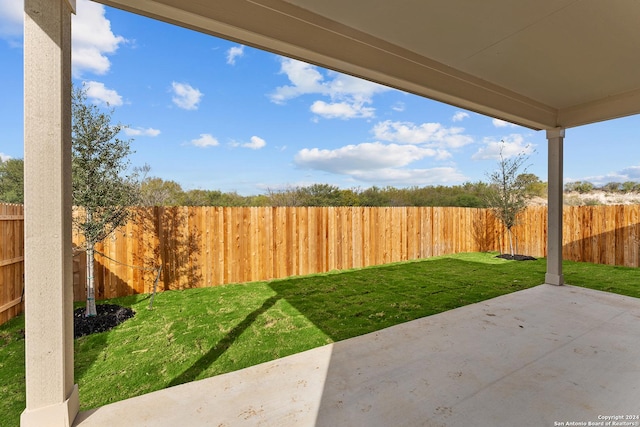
(212, 114)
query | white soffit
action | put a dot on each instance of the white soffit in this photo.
(539, 63)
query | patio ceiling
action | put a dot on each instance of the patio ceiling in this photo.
(539, 63)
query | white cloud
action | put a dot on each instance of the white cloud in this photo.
(398, 106)
(256, 143)
(431, 134)
(418, 177)
(341, 110)
(349, 96)
(92, 39)
(511, 145)
(91, 36)
(305, 79)
(631, 173)
(378, 163)
(185, 96)
(4, 157)
(366, 156)
(345, 86)
(388, 160)
(233, 53)
(205, 140)
(97, 92)
(460, 116)
(502, 124)
(11, 19)
(141, 132)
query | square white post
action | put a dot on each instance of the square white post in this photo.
(555, 140)
(52, 396)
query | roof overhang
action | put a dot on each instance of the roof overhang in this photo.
(538, 63)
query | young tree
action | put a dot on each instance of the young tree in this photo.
(508, 191)
(101, 185)
(12, 181)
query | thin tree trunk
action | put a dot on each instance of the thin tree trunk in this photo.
(511, 241)
(91, 293)
(91, 299)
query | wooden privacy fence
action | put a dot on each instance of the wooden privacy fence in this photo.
(208, 246)
(11, 261)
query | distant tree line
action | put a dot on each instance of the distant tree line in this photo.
(158, 192)
(12, 181)
(155, 191)
(584, 187)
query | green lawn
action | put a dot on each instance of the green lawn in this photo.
(199, 333)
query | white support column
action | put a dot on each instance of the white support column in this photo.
(555, 140)
(52, 396)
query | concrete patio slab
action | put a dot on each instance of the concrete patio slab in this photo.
(546, 356)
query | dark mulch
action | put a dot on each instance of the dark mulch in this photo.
(516, 257)
(109, 316)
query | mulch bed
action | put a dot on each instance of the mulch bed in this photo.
(516, 257)
(109, 316)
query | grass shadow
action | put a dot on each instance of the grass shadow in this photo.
(345, 305)
(204, 362)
